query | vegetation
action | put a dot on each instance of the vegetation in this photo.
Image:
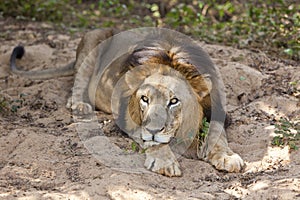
(134, 146)
(287, 133)
(204, 130)
(11, 106)
(272, 26)
(4, 108)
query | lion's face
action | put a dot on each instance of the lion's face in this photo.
(160, 109)
(165, 106)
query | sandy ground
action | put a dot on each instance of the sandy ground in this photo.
(42, 156)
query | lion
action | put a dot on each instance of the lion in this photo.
(156, 93)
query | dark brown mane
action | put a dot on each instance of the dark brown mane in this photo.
(170, 58)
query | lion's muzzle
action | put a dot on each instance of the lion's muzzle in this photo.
(154, 125)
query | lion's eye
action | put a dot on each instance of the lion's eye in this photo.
(145, 99)
(173, 101)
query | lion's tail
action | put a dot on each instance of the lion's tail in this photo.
(19, 52)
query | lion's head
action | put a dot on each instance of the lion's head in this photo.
(162, 105)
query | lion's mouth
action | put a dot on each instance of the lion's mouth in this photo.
(160, 138)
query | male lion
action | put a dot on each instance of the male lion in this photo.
(156, 92)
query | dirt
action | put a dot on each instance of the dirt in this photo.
(42, 156)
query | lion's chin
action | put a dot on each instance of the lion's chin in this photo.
(150, 144)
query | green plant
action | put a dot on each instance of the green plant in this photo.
(134, 146)
(4, 105)
(271, 26)
(114, 7)
(181, 15)
(287, 133)
(11, 106)
(17, 103)
(204, 130)
(50, 10)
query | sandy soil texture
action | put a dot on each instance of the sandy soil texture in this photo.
(42, 156)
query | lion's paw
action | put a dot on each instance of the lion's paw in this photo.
(167, 167)
(230, 163)
(80, 108)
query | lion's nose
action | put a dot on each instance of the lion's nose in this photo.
(154, 131)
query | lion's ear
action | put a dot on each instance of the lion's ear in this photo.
(133, 79)
(208, 83)
(136, 76)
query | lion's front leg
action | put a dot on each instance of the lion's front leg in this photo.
(219, 154)
(223, 158)
(86, 59)
(161, 159)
